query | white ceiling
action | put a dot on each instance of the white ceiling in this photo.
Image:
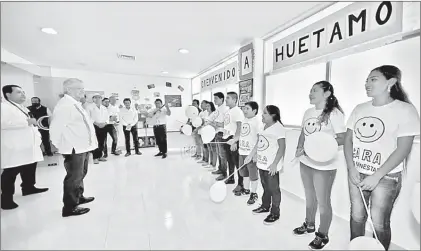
(92, 33)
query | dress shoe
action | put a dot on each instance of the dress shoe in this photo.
(230, 181)
(74, 212)
(102, 159)
(33, 190)
(217, 172)
(116, 153)
(127, 154)
(105, 156)
(159, 154)
(220, 177)
(84, 200)
(8, 203)
(138, 153)
(164, 155)
(96, 161)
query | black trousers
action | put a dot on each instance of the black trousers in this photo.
(101, 136)
(233, 159)
(160, 133)
(45, 137)
(133, 131)
(271, 191)
(76, 165)
(8, 178)
(111, 130)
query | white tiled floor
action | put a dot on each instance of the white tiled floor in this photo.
(143, 203)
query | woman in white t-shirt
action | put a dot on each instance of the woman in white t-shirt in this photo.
(250, 127)
(379, 138)
(270, 151)
(326, 116)
(211, 148)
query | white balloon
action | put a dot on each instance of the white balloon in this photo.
(192, 112)
(365, 243)
(321, 147)
(208, 134)
(196, 122)
(218, 192)
(187, 129)
(416, 202)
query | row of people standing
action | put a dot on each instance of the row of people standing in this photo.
(377, 138)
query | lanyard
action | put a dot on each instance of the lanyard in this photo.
(29, 115)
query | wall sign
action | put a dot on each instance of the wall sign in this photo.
(246, 92)
(225, 75)
(246, 62)
(355, 24)
(135, 94)
(173, 100)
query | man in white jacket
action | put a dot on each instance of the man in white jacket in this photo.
(72, 133)
(20, 146)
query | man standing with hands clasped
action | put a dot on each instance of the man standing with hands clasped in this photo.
(129, 119)
(159, 119)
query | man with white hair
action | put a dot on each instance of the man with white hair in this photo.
(73, 133)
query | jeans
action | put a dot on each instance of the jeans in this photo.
(198, 142)
(382, 200)
(271, 191)
(222, 159)
(318, 189)
(8, 178)
(76, 165)
(133, 131)
(112, 131)
(101, 135)
(213, 153)
(160, 132)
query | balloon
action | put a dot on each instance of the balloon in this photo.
(218, 192)
(192, 112)
(208, 134)
(365, 243)
(416, 202)
(187, 129)
(197, 121)
(321, 147)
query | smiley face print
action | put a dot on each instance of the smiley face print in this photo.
(312, 125)
(245, 129)
(262, 143)
(369, 129)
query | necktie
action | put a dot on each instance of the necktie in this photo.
(86, 124)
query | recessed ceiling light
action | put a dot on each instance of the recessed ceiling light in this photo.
(50, 31)
(164, 72)
(183, 51)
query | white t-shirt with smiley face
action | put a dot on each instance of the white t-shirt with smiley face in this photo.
(311, 124)
(376, 130)
(250, 127)
(267, 146)
(231, 117)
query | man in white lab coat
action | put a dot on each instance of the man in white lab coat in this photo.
(72, 133)
(20, 146)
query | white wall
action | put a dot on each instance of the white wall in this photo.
(11, 75)
(123, 84)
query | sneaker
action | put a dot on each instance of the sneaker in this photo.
(253, 198)
(96, 161)
(237, 189)
(319, 242)
(260, 210)
(270, 219)
(242, 192)
(230, 181)
(217, 172)
(103, 159)
(304, 229)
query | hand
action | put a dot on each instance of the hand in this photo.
(354, 176)
(231, 142)
(233, 147)
(255, 158)
(299, 152)
(272, 169)
(32, 121)
(369, 183)
(102, 125)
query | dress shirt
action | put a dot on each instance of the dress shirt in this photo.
(113, 110)
(20, 142)
(98, 114)
(160, 117)
(72, 128)
(128, 116)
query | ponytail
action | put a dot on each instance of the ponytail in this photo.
(331, 102)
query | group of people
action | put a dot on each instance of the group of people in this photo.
(77, 128)
(377, 138)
